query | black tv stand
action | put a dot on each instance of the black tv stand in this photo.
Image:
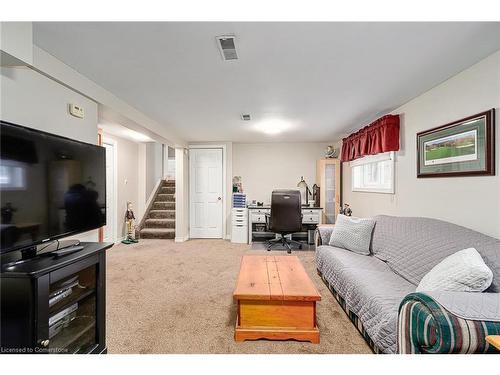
(54, 304)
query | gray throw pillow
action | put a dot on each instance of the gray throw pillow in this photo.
(353, 234)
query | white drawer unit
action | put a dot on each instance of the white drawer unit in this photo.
(310, 218)
(261, 210)
(239, 228)
(239, 216)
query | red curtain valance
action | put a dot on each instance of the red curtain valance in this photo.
(382, 135)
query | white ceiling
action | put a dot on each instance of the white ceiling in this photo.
(322, 79)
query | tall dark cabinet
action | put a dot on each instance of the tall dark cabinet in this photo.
(55, 304)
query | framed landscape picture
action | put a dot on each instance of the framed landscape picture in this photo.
(462, 148)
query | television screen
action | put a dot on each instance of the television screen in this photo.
(50, 187)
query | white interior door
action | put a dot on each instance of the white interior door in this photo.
(205, 187)
(110, 228)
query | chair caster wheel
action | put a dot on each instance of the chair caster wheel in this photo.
(300, 247)
(268, 249)
(289, 251)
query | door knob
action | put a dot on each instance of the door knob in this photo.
(219, 198)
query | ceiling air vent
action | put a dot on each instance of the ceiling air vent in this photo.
(245, 117)
(227, 47)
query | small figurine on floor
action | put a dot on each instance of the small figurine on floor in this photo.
(130, 222)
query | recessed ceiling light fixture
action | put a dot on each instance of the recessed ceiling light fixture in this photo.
(272, 126)
(245, 117)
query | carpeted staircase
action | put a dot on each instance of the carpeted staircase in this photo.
(160, 220)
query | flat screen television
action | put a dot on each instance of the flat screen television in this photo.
(50, 187)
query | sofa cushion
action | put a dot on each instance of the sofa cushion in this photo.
(370, 289)
(353, 234)
(463, 271)
(412, 246)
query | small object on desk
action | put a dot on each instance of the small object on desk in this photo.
(315, 195)
(304, 190)
(237, 186)
(494, 340)
(346, 210)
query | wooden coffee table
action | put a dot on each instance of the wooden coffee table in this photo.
(276, 300)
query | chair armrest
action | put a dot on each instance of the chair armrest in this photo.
(323, 234)
(426, 326)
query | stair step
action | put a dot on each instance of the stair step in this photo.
(165, 198)
(162, 214)
(167, 190)
(169, 183)
(159, 223)
(164, 233)
(163, 206)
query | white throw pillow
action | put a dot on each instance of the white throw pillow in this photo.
(464, 271)
(353, 234)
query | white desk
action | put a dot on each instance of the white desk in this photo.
(257, 214)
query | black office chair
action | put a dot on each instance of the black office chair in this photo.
(285, 217)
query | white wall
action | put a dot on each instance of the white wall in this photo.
(127, 181)
(181, 195)
(16, 39)
(473, 202)
(33, 100)
(169, 163)
(154, 166)
(268, 166)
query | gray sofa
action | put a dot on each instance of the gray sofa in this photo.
(378, 291)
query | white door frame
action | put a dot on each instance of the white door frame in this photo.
(224, 182)
(115, 178)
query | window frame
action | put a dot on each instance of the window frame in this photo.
(371, 159)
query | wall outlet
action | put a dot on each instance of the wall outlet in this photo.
(76, 110)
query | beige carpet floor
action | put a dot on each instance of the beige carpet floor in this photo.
(166, 297)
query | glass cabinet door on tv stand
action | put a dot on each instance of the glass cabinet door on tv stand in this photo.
(72, 312)
(329, 180)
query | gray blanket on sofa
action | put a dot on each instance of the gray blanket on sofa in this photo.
(403, 250)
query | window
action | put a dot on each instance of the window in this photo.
(374, 174)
